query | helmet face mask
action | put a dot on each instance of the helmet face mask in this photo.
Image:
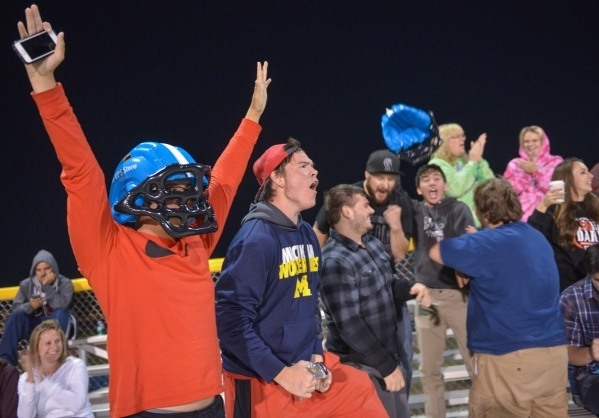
(175, 197)
(165, 183)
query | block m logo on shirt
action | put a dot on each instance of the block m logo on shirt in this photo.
(302, 287)
(295, 263)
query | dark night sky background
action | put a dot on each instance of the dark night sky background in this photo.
(182, 72)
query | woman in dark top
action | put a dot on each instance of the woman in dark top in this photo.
(573, 226)
(9, 378)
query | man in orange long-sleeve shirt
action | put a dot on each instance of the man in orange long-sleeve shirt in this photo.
(162, 343)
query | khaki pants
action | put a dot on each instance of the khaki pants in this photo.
(523, 383)
(452, 306)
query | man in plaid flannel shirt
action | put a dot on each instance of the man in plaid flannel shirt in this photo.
(360, 297)
(580, 306)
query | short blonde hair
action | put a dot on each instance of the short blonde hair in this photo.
(534, 129)
(34, 340)
(443, 153)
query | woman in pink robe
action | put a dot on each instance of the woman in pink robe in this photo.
(531, 173)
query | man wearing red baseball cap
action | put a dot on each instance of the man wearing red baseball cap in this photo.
(268, 318)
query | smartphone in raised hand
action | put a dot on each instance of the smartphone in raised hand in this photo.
(35, 47)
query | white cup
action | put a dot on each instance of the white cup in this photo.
(558, 185)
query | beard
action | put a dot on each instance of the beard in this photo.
(371, 192)
(362, 225)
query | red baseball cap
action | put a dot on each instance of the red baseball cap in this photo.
(270, 160)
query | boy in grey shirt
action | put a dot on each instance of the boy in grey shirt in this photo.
(435, 218)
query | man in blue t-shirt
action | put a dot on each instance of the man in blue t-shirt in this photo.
(514, 325)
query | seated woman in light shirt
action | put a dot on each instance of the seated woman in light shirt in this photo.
(54, 384)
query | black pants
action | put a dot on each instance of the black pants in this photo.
(215, 410)
(588, 387)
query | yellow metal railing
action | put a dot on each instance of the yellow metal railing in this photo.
(81, 284)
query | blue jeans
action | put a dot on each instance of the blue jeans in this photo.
(19, 326)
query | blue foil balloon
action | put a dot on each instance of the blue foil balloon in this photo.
(411, 133)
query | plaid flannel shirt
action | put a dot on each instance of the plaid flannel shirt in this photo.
(579, 304)
(358, 292)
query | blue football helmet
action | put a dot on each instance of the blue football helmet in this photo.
(143, 176)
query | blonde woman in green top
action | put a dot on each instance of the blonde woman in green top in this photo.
(464, 170)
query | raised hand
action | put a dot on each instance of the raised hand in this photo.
(297, 380)
(482, 139)
(476, 151)
(392, 217)
(260, 95)
(552, 197)
(41, 73)
(26, 361)
(48, 278)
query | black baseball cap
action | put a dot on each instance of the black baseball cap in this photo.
(383, 161)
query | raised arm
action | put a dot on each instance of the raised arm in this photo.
(398, 241)
(90, 223)
(231, 165)
(542, 218)
(260, 95)
(41, 73)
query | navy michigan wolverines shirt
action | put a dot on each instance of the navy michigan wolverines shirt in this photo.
(267, 311)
